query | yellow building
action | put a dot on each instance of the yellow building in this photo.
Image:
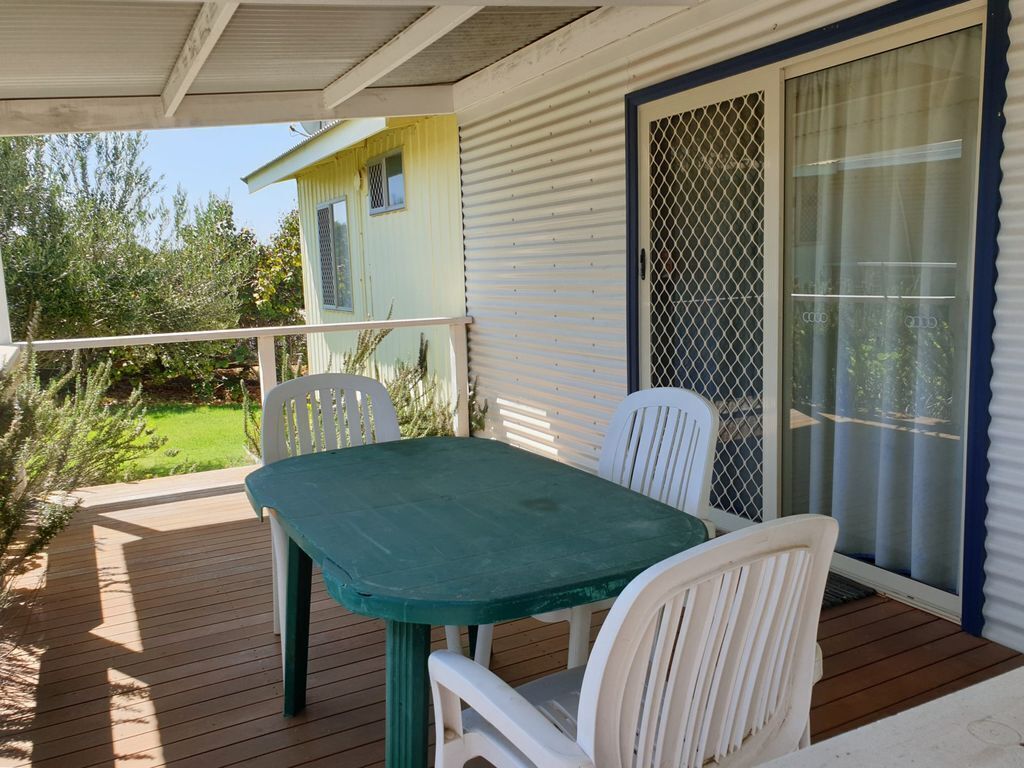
(379, 206)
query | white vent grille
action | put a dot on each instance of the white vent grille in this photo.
(707, 279)
(324, 225)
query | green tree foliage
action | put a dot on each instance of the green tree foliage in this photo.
(84, 239)
(54, 438)
(196, 280)
(275, 297)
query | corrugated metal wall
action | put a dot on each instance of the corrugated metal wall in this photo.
(544, 217)
(411, 257)
(545, 231)
(1004, 566)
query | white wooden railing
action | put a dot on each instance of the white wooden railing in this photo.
(265, 348)
(8, 354)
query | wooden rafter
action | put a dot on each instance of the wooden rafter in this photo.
(431, 26)
(452, 3)
(210, 23)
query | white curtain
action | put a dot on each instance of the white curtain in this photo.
(881, 163)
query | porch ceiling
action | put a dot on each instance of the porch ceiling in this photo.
(489, 36)
(60, 49)
(68, 65)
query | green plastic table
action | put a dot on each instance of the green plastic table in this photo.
(457, 531)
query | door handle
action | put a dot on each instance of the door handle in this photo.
(643, 263)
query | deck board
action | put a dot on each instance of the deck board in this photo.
(148, 643)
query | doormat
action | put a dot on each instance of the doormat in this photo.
(839, 590)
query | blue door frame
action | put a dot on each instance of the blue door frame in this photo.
(993, 98)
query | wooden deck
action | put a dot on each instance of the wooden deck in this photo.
(148, 642)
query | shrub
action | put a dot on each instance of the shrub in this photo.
(55, 437)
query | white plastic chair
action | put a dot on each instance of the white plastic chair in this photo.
(706, 656)
(661, 443)
(322, 412)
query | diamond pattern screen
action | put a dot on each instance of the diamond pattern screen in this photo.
(375, 186)
(324, 223)
(707, 279)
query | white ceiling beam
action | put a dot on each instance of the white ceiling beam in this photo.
(443, 3)
(210, 23)
(21, 117)
(431, 26)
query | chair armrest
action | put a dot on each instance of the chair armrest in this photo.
(505, 709)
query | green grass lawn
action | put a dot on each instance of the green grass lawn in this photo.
(204, 436)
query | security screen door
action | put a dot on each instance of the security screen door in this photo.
(708, 307)
(806, 236)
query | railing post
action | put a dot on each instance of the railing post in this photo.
(5, 317)
(267, 357)
(460, 376)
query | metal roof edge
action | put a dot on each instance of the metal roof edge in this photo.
(319, 146)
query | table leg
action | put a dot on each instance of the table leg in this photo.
(296, 629)
(408, 693)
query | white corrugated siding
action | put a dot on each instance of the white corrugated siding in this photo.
(543, 197)
(1004, 565)
(545, 232)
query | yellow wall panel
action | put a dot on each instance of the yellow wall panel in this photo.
(409, 259)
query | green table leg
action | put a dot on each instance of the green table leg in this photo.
(408, 693)
(296, 629)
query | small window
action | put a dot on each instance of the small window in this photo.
(386, 183)
(335, 262)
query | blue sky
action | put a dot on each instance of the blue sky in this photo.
(205, 160)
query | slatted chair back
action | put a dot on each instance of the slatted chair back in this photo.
(661, 443)
(709, 655)
(325, 411)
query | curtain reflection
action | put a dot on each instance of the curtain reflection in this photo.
(881, 159)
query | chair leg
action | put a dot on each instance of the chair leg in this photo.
(484, 639)
(273, 585)
(453, 638)
(579, 635)
(279, 547)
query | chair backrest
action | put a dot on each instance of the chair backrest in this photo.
(325, 411)
(710, 653)
(661, 443)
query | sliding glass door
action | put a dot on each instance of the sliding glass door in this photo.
(881, 158)
(806, 233)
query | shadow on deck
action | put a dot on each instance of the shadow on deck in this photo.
(148, 642)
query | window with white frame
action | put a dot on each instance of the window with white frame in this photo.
(335, 261)
(385, 182)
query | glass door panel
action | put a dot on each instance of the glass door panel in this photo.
(880, 167)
